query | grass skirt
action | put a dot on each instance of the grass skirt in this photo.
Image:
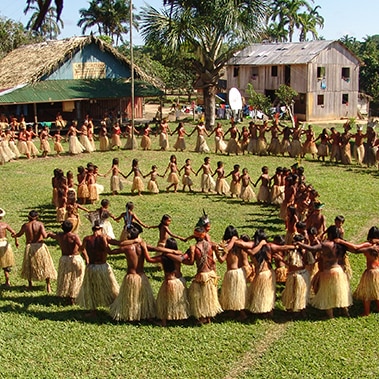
(220, 144)
(222, 186)
(335, 153)
(148, 305)
(201, 145)
(93, 194)
(264, 194)
(274, 147)
(6, 254)
(203, 295)
(137, 184)
(32, 148)
(163, 141)
(108, 229)
(173, 178)
(70, 275)
(207, 182)
(346, 154)
(61, 214)
(369, 157)
(146, 143)
(99, 288)
(45, 146)
(180, 144)
(368, 287)
(131, 143)
(83, 192)
(116, 184)
(86, 144)
(309, 148)
(235, 188)
(322, 150)
(74, 146)
(232, 146)
(187, 181)
(295, 296)
(261, 146)
(127, 306)
(261, 292)
(247, 193)
(284, 146)
(58, 148)
(295, 148)
(17, 154)
(233, 290)
(75, 220)
(172, 300)
(334, 290)
(152, 186)
(104, 143)
(252, 147)
(116, 140)
(37, 264)
(277, 194)
(23, 147)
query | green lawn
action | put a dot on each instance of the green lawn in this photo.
(43, 338)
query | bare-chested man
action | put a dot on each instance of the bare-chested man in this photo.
(37, 264)
(71, 265)
(100, 287)
(207, 182)
(334, 288)
(203, 298)
(6, 252)
(135, 300)
(317, 220)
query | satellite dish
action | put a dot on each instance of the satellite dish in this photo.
(235, 99)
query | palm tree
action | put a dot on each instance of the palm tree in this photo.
(43, 6)
(308, 23)
(50, 27)
(214, 30)
(275, 32)
(111, 18)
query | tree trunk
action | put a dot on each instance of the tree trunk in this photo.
(210, 106)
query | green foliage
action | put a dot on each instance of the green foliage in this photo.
(286, 94)
(44, 9)
(14, 35)
(258, 100)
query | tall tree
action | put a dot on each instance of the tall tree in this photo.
(43, 6)
(214, 30)
(309, 22)
(50, 27)
(110, 17)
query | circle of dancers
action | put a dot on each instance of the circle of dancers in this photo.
(310, 260)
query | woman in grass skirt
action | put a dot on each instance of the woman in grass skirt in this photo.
(137, 179)
(222, 186)
(173, 177)
(145, 140)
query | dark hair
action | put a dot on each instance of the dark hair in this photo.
(279, 240)
(171, 244)
(164, 218)
(104, 202)
(312, 231)
(259, 236)
(33, 214)
(333, 232)
(168, 264)
(245, 238)
(134, 162)
(236, 166)
(340, 218)
(230, 231)
(373, 233)
(115, 161)
(301, 225)
(298, 237)
(133, 232)
(129, 204)
(67, 226)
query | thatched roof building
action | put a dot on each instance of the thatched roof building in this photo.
(75, 69)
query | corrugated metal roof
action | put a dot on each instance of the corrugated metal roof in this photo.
(65, 90)
(279, 53)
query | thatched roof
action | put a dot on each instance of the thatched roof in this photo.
(30, 63)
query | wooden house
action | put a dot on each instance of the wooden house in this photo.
(324, 73)
(75, 76)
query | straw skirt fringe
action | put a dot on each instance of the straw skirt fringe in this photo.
(233, 290)
(222, 186)
(295, 296)
(74, 146)
(70, 275)
(261, 292)
(6, 254)
(368, 287)
(187, 181)
(173, 178)
(146, 142)
(334, 290)
(37, 264)
(99, 288)
(172, 300)
(247, 193)
(263, 194)
(137, 184)
(116, 184)
(203, 295)
(207, 182)
(152, 186)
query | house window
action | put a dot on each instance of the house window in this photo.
(254, 72)
(320, 99)
(274, 70)
(236, 70)
(346, 73)
(345, 98)
(320, 72)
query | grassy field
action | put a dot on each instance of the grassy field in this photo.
(42, 337)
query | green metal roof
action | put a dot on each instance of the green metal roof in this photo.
(79, 89)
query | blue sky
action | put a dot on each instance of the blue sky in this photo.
(352, 17)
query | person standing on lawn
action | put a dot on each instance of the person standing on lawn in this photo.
(37, 264)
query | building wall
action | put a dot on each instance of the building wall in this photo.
(91, 54)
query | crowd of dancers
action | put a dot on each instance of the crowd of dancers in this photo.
(310, 259)
(17, 139)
